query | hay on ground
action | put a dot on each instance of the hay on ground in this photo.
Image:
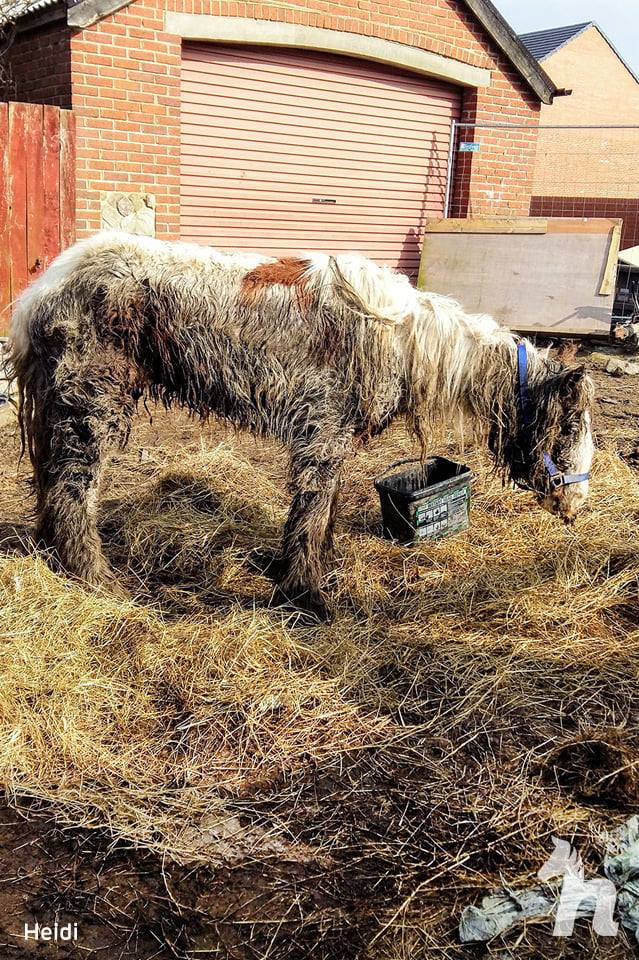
(416, 750)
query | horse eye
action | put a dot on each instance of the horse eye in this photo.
(570, 428)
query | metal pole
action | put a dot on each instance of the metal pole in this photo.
(551, 126)
(449, 172)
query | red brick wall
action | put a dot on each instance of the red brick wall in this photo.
(126, 99)
(39, 66)
(498, 179)
(126, 94)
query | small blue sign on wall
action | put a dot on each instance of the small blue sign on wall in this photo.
(468, 147)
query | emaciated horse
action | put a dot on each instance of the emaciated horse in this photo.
(319, 352)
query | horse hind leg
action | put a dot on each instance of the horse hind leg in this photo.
(88, 411)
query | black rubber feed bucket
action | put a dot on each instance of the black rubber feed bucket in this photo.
(430, 501)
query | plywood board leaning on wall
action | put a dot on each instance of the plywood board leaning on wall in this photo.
(536, 275)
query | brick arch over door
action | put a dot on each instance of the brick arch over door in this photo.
(286, 150)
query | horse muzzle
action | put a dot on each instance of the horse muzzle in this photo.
(565, 502)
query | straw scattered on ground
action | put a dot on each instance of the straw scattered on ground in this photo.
(471, 697)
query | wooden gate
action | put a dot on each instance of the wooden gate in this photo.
(37, 194)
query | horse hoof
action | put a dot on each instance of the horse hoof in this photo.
(267, 562)
(104, 582)
(308, 606)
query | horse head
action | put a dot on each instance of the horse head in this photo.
(546, 445)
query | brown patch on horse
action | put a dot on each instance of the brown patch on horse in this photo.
(286, 272)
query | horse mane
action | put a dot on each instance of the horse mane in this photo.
(464, 370)
(460, 368)
(368, 290)
(455, 363)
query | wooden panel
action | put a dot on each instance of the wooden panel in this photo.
(5, 247)
(489, 225)
(18, 196)
(67, 179)
(610, 270)
(289, 150)
(542, 283)
(51, 183)
(37, 194)
(583, 225)
(35, 189)
(522, 225)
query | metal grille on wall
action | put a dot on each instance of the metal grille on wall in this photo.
(577, 171)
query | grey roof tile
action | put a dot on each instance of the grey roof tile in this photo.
(541, 43)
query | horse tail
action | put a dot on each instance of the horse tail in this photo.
(35, 345)
(364, 288)
(26, 368)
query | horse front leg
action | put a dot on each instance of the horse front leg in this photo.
(307, 542)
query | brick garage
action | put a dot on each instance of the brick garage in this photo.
(120, 72)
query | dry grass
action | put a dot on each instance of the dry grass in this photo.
(470, 698)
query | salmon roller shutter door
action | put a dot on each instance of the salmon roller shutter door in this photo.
(284, 151)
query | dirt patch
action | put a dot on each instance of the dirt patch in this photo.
(616, 416)
(601, 768)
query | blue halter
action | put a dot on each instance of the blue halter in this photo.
(557, 478)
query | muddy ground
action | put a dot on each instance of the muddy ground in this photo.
(131, 903)
(617, 409)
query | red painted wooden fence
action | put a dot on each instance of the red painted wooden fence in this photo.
(37, 194)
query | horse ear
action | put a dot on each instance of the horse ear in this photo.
(572, 384)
